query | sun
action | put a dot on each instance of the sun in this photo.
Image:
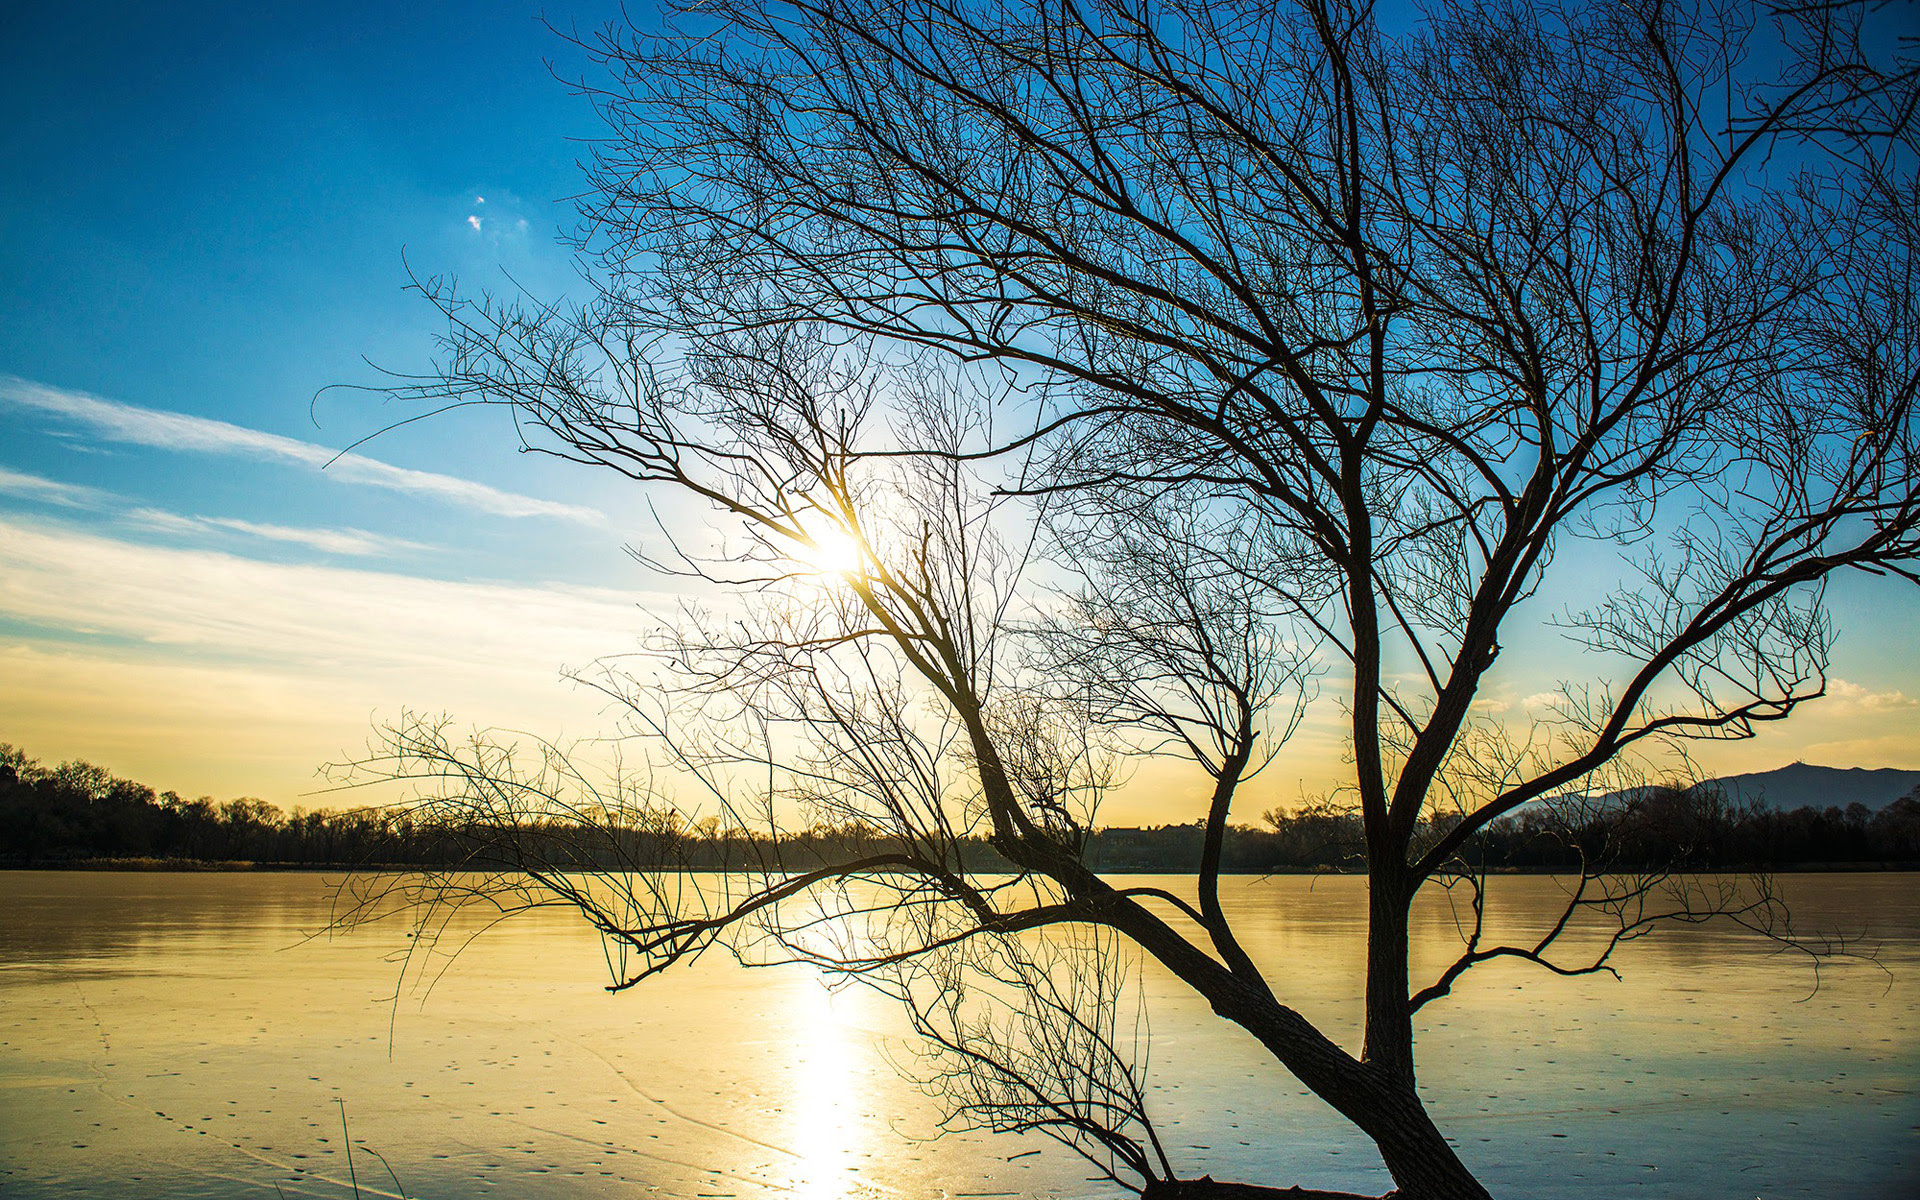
(831, 552)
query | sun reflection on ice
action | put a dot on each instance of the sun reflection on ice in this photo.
(825, 1125)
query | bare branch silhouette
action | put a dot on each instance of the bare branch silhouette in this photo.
(1066, 383)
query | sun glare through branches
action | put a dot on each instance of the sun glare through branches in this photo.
(829, 551)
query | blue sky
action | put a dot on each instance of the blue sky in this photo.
(208, 218)
(210, 210)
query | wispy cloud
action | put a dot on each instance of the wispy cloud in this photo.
(227, 606)
(501, 228)
(346, 541)
(133, 425)
(51, 491)
(358, 542)
(211, 671)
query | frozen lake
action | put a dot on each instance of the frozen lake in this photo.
(177, 1035)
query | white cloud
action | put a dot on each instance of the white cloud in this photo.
(358, 542)
(474, 222)
(51, 491)
(209, 671)
(137, 426)
(222, 606)
(1844, 694)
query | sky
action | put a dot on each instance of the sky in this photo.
(208, 223)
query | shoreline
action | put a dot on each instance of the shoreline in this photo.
(194, 866)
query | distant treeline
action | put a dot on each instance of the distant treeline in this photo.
(78, 812)
(1650, 828)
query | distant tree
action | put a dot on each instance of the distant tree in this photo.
(84, 781)
(13, 763)
(1895, 829)
(1315, 355)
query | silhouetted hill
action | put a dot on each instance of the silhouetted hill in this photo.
(1804, 785)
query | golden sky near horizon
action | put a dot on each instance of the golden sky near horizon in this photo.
(182, 655)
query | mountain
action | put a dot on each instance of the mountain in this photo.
(1804, 785)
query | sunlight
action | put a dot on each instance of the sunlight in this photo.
(830, 551)
(825, 1127)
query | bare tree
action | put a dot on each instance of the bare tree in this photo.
(1304, 350)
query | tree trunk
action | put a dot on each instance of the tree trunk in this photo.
(1377, 1093)
(1389, 1037)
(1423, 1165)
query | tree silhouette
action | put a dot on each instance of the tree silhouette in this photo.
(1069, 382)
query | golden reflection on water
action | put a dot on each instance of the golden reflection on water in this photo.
(822, 1107)
(179, 1029)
